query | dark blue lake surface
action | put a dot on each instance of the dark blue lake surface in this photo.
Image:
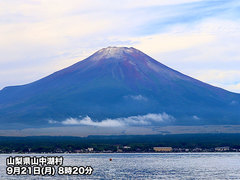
(146, 166)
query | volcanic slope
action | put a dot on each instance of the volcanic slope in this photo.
(117, 82)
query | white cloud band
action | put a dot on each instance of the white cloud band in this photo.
(147, 119)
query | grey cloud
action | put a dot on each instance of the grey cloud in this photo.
(233, 102)
(137, 97)
(196, 117)
(52, 122)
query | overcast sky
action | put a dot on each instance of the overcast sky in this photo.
(200, 38)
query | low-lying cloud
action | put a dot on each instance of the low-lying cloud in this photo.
(88, 121)
(196, 117)
(147, 119)
(138, 97)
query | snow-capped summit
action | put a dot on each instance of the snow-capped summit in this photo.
(113, 52)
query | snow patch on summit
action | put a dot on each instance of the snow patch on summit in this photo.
(112, 52)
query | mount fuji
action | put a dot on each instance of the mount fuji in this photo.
(117, 86)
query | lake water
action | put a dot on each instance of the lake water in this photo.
(146, 166)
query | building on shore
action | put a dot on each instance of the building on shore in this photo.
(90, 149)
(162, 149)
(78, 151)
(221, 149)
(119, 150)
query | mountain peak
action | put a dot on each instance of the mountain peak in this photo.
(117, 50)
(113, 52)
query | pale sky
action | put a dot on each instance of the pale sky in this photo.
(199, 38)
